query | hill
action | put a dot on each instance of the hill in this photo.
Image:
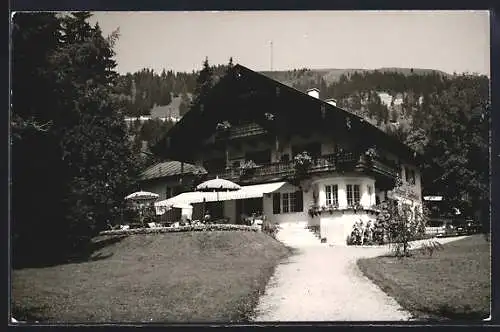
(333, 75)
(301, 79)
(170, 110)
(174, 277)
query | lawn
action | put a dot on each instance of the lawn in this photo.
(174, 277)
(451, 284)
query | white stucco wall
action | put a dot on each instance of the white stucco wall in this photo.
(342, 181)
(287, 217)
(336, 227)
(187, 213)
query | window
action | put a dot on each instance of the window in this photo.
(370, 193)
(285, 203)
(259, 157)
(276, 203)
(353, 194)
(407, 174)
(288, 202)
(215, 165)
(412, 177)
(169, 192)
(356, 194)
(332, 195)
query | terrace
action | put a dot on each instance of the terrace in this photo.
(346, 161)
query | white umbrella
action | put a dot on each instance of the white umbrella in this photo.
(142, 196)
(217, 185)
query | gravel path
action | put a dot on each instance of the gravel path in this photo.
(325, 284)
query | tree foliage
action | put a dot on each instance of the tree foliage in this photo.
(77, 171)
(401, 221)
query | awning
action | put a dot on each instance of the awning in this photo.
(253, 191)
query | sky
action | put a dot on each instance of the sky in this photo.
(451, 41)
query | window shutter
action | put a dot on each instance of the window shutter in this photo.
(276, 203)
(300, 201)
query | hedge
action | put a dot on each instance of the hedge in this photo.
(194, 228)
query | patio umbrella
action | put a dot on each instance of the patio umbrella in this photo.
(216, 185)
(142, 197)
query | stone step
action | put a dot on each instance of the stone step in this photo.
(298, 235)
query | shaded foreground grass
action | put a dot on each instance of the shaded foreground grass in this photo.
(453, 284)
(182, 277)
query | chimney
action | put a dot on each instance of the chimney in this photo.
(331, 101)
(313, 92)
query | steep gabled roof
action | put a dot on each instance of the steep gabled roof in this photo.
(262, 94)
(170, 168)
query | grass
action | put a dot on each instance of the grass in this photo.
(183, 277)
(453, 283)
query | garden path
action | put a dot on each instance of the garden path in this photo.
(324, 284)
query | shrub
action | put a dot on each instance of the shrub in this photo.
(189, 228)
(356, 234)
(401, 222)
(430, 246)
(270, 228)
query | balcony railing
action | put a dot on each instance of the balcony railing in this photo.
(385, 168)
(240, 131)
(344, 161)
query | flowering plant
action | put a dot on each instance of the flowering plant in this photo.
(371, 153)
(332, 207)
(314, 210)
(355, 206)
(248, 164)
(247, 167)
(225, 125)
(269, 116)
(302, 162)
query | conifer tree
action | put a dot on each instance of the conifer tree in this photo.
(87, 154)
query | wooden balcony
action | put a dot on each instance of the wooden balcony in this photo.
(346, 161)
(240, 132)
